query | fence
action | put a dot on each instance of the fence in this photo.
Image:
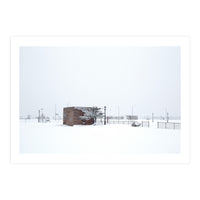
(145, 124)
(100, 122)
(169, 125)
(119, 122)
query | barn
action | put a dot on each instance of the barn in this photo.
(78, 116)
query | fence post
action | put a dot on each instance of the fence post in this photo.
(104, 115)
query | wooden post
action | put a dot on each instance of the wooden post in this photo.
(38, 115)
(167, 117)
(104, 115)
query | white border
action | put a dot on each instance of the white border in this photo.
(183, 42)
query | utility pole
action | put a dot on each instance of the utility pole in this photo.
(152, 117)
(118, 114)
(167, 117)
(42, 116)
(132, 111)
(38, 116)
(104, 115)
(55, 112)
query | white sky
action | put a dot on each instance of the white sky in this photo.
(145, 78)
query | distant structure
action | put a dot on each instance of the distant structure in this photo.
(132, 117)
(78, 116)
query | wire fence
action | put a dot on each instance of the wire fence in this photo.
(129, 122)
(169, 125)
(119, 122)
(145, 124)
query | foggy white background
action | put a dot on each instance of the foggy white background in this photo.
(140, 181)
(141, 80)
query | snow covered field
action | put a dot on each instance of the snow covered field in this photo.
(109, 139)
